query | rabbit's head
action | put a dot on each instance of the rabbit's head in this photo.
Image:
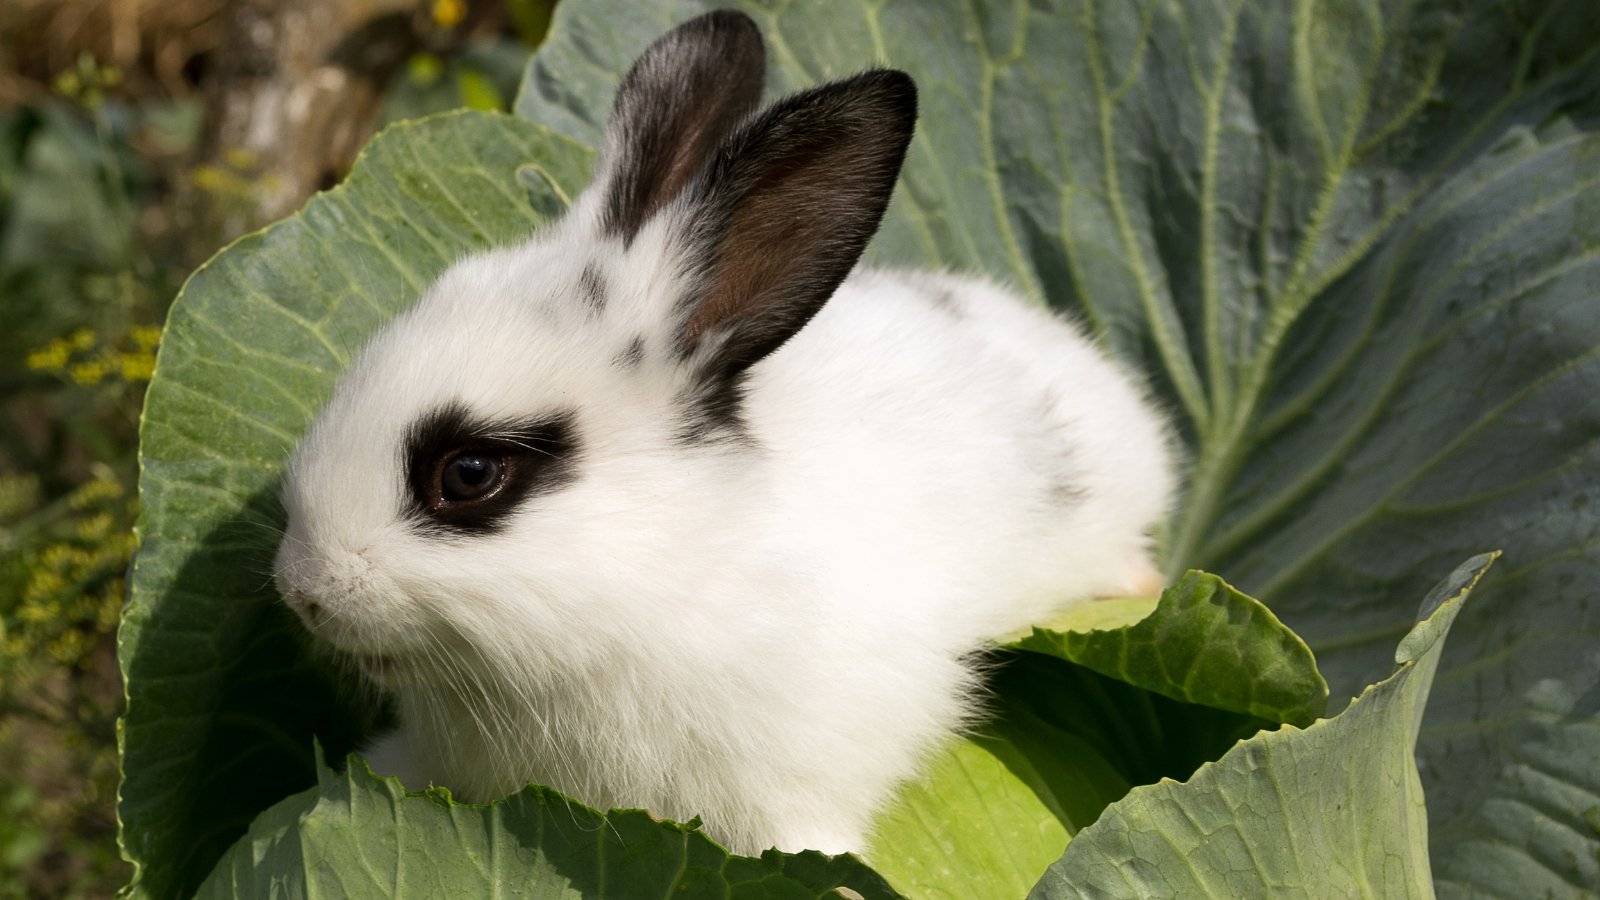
(513, 468)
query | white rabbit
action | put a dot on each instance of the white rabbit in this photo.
(662, 509)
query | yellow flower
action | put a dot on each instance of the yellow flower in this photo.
(146, 337)
(81, 339)
(57, 557)
(223, 183)
(35, 613)
(68, 647)
(110, 607)
(449, 13)
(52, 357)
(87, 373)
(241, 157)
(95, 527)
(68, 84)
(138, 367)
(95, 491)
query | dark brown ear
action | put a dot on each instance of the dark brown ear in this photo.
(684, 94)
(784, 210)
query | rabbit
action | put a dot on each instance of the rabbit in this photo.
(673, 506)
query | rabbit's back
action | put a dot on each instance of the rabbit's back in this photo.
(940, 433)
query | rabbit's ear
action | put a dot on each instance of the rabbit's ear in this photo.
(684, 94)
(782, 213)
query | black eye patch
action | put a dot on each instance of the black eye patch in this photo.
(468, 475)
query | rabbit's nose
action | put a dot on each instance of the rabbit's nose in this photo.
(308, 609)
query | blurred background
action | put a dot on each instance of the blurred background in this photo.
(137, 138)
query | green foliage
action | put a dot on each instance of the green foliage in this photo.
(1335, 810)
(62, 574)
(1352, 245)
(483, 75)
(1059, 743)
(81, 279)
(478, 71)
(320, 843)
(1096, 704)
(1204, 643)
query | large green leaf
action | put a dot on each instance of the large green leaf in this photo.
(355, 836)
(995, 808)
(1204, 643)
(223, 699)
(1357, 245)
(1335, 810)
(1060, 742)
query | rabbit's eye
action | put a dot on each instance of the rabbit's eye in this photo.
(470, 476)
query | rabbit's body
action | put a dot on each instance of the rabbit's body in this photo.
(737, 551)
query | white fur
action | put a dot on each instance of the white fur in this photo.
(768, 632)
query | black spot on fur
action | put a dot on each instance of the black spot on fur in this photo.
(713, 413)
(592, 288)
(1063, 486)
(944, 299)
(535, 455)
(1064, 491)
(631, 355)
